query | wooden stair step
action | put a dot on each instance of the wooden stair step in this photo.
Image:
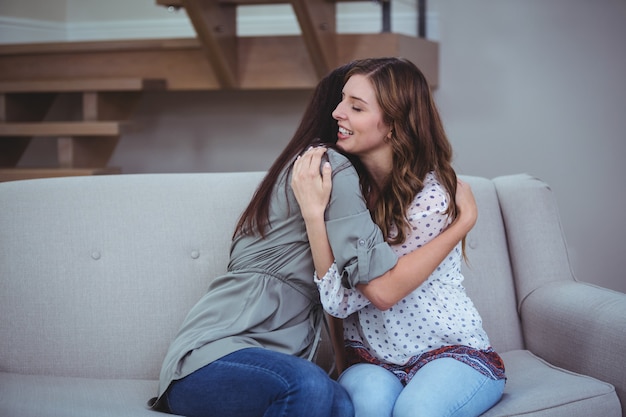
(81, 85)
(60, 129)
(14, 174)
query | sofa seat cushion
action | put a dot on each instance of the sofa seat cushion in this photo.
(51, 396)
(536, 388)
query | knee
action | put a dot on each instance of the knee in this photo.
(311, 385)
(373, 390)
(370, 381)
(342, 404)
(310, 380)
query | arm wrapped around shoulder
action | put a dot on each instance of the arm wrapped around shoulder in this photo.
(580, 327)
(360, 251)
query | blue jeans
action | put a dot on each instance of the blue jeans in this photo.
(256, 382)
(442, 388)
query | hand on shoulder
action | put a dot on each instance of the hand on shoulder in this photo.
(311, 182)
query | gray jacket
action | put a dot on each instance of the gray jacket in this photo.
(268, 298)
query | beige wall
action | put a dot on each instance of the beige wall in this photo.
(538, 86)
(526, 86)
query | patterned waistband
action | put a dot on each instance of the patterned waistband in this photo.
(486, 361)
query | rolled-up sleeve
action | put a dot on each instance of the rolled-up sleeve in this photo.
(358, 246)
(337, 300)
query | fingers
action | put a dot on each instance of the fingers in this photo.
(464, 191)
(326, 171)
(311, 184)
(309, 162)
(466, 203)
(313, 156)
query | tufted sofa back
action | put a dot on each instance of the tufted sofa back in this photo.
(97, 273)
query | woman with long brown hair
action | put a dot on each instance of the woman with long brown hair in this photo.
(415, 346)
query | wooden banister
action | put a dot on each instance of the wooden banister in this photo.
(215, 24)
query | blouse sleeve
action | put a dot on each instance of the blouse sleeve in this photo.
(337, 300)
(360, 251)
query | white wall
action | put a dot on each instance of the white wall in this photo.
(525, 86)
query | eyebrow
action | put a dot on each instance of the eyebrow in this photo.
(358, 99)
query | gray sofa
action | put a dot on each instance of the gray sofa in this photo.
(96, 274)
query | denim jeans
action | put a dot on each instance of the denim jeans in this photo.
(442, 388)
(256, 382)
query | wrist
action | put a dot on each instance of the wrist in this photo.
(315, 222)
(464, 223)
(313, 217)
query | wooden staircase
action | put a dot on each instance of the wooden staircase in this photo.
(109, 76)
(85, 143)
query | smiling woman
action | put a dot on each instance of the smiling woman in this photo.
(413, 348)
(361, 123)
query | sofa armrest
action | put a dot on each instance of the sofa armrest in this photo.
(579, 327)
(535, 237)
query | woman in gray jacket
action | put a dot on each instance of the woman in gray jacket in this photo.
(245, 348)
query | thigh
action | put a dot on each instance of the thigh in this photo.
(372, 389)
(447, 387)
(256, 382)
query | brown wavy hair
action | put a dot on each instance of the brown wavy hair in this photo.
(418, 140)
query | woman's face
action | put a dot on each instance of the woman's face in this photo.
(362, 131)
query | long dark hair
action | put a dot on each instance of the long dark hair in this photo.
(316, 127)
(418, 139)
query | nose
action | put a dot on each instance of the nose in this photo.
(338, 114)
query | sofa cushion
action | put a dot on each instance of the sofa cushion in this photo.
(49, 396)
(536, 388)
(97, 273)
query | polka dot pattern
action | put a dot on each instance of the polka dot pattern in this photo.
(438, 313)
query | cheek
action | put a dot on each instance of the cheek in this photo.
(372, 138)
(371, 126)
(383, 128)
(378, 131)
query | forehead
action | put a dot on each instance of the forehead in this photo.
(359, 87)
